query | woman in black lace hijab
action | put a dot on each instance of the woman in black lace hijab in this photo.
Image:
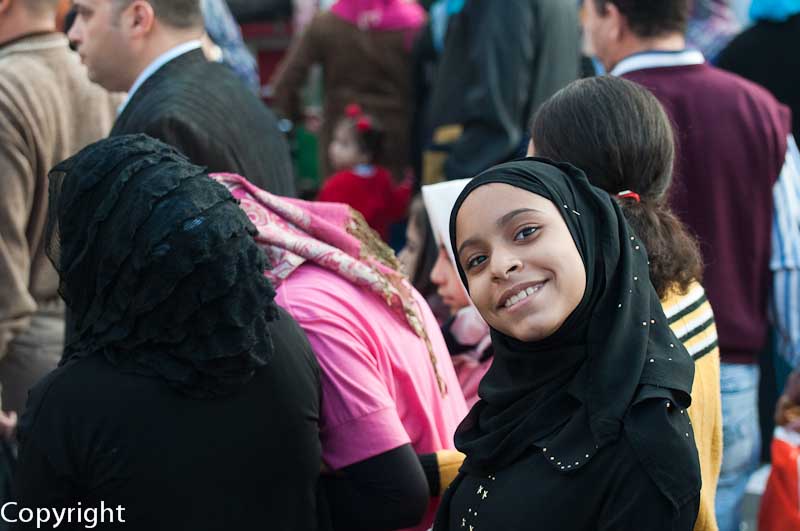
(184, 394)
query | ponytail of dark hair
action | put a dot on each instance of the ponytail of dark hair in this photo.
(619, 135)
(675, 260)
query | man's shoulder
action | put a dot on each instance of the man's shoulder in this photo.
(695, 80)
(28, 72)
(712, 90)
(194, 88)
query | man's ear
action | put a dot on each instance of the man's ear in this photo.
(5, 6)
(617, 23)
(139, 18)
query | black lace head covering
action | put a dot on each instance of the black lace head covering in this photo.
(569, 393)
(158, 267)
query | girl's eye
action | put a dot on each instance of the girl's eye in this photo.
(475, 262)
(524, 233)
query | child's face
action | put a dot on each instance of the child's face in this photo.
(344, 151)
(524, 271)
(448, 284)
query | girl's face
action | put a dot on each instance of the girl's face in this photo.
(344, 151)
(524, 271)
(410, 254)
(448, 285)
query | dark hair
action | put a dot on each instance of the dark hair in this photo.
(418, 217)
(652, 18)
(368, 132)
(181, 14)
(619, 135)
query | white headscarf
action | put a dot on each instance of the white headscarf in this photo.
(439, 200)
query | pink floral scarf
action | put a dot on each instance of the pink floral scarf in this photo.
(333, 236)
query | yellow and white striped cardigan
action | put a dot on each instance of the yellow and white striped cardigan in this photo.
(692, 320)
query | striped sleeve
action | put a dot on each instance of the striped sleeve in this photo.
(785, 262)
(692, 321)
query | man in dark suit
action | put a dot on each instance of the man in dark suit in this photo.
(152, 50)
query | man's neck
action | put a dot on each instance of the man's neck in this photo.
(160, 45)
(17, 31)
(668, 43)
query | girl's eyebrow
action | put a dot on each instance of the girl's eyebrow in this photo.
(465, 243)
(514, 213)
(500, 222)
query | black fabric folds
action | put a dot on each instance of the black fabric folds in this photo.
(158, 267)
(569, 393)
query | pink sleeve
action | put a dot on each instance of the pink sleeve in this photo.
(359, 416)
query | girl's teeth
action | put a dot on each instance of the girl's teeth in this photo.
(522, 295)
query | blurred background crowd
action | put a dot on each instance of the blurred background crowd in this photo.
(386, 106)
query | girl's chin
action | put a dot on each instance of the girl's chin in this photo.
(530, 333)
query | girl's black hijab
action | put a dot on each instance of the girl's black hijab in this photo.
(158, 267)
(569, 393)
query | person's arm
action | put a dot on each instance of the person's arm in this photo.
(43, 474)
(293, 72)
(17, 183)
(635, 503)
(388, 491)
(655, 479)
(391, 490)
(785, 263)
(441, 469)
(37, 483)
(359, 420)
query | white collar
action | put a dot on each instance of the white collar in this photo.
(159, 61)
(364, 170)
(657, 59)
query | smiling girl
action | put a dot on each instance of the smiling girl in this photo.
(582, 421)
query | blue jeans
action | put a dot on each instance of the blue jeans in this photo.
(741, 439)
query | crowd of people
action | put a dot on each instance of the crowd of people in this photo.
(554, 243)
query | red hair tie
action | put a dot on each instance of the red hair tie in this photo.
(627, 194)
(353, 110)
(363, 124)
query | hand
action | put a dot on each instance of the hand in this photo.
(8, 424)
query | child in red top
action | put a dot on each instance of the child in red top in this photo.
(364, 186)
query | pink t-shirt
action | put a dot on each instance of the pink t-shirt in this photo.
(379, 390)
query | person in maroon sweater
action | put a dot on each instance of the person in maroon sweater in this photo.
(367, 187)
(736, 186)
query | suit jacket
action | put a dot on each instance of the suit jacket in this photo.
(206, 112)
